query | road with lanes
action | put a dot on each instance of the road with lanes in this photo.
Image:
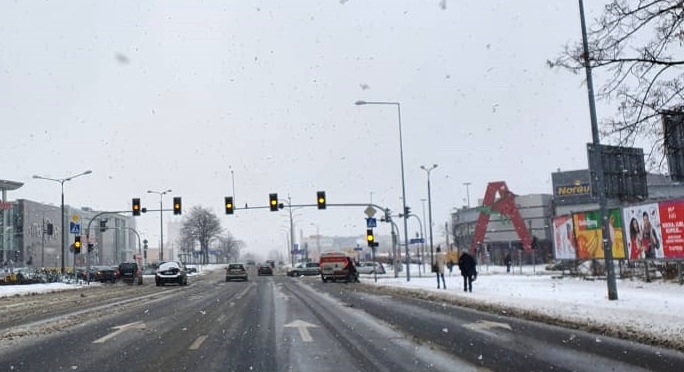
(290, 324)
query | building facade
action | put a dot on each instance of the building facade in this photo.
(35, 236)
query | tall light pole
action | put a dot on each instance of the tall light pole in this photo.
(161, 220)
(403, 182)
(428, 170)
(597, 168)
(61, 182)
(467, 185)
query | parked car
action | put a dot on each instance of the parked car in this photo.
(171, 272)
(369, 267)
(265, 270)
(236, 271)
(304, 268)
(104, 274)
(130, 273)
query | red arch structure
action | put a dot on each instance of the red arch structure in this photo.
(498, 198)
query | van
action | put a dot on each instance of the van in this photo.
(333, 266)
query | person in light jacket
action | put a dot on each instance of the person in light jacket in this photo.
(439, 262)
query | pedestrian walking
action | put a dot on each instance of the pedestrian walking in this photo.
(508, 261)
(468, 267)
(439, 262)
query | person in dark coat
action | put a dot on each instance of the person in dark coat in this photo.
(508, 261)
(467, 264)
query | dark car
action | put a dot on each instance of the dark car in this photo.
(130, 273)
(171, 272)
(104, 274)
(265, 270)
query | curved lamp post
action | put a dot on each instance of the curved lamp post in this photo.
(61, 182)
(161, 220)
(403, 182)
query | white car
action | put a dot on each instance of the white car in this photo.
(369, 267)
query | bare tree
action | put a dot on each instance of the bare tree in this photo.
(637, 47)
(201, 225)
(228, 248)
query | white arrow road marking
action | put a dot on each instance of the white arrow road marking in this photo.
(484, 325)
(120, 329)
(195, 345)
(303, 328)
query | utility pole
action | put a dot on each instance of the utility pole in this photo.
(597, 168)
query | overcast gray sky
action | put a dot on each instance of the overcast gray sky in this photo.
(176, 94)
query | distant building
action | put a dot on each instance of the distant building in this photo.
(30, 243)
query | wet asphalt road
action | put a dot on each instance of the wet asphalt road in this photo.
(300, 324)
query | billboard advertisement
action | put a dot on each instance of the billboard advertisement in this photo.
(655, 230)
(643, 231)
(565, 245)
(672, 228)
(589, 237)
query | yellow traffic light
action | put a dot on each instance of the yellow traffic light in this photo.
(229, 205)
(320, 199)
(273, 202)
(177, 205)
(136, 207)
(77, 244)
(370, 237)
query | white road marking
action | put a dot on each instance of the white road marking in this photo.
(303, 328)
(195, 345)
(120, 329)
(484, 325)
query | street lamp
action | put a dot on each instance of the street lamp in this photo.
(403, 182)
(428, 170)
(161, 220)
(61, 182)
(467, 185)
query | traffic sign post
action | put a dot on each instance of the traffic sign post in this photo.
(371, 222)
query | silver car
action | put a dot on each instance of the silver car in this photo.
(369, 267)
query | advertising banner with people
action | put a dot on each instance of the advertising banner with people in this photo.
(565, 246)
(643, 231)
(589, 236)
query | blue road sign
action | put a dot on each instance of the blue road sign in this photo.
(75, 228)
(371, 222)
(416, 240)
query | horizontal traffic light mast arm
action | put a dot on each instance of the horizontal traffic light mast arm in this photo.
(381, 209)
(102, 214)
(143, 210)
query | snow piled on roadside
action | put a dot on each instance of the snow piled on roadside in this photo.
(649, 312)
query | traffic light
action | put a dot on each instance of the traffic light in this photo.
(77, 244)
(230, 208)
(136, 206)
(407, 211)
(320, 199)
(370, 238)
(273, 202)
(103, 226)
(50, 229)
(177, 205)
(91, 246)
